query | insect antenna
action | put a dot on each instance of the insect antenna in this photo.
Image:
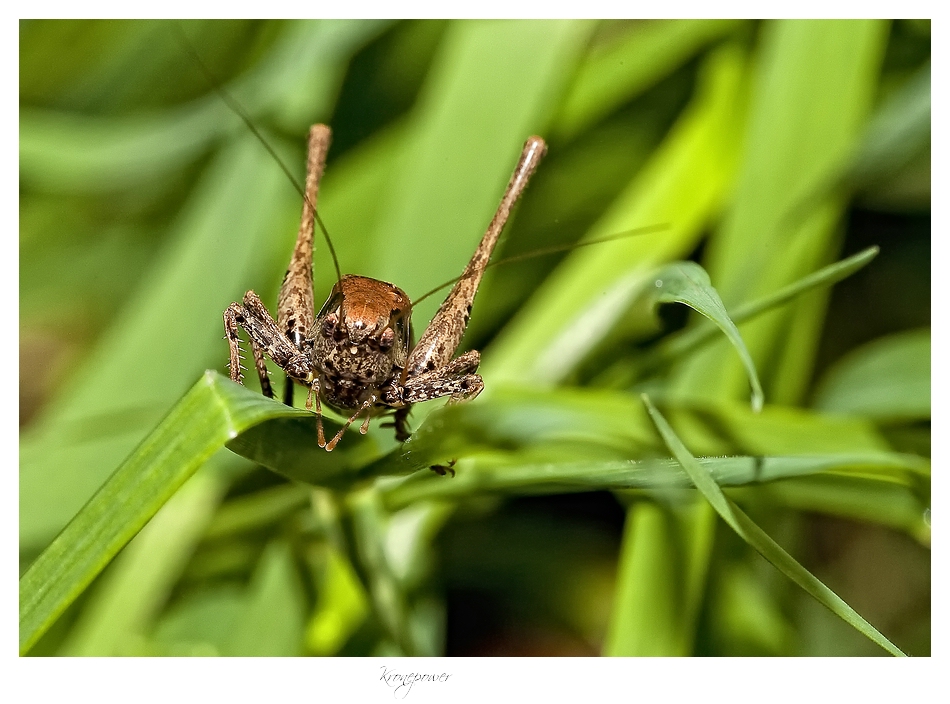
(236, 107)
(645, 230)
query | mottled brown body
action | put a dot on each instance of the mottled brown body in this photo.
(360, 341)
(357, 354)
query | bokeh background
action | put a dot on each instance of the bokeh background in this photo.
(146, 207)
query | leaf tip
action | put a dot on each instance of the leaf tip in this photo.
(758, 401)
(651, 409)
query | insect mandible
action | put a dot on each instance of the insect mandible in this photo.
(356, 355)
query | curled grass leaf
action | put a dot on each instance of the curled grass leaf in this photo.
(688, 283)
(681, 343)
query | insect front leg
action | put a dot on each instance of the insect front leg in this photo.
(234, 317)
(266, 338)
(456, 380)
(261, 365)
(435, 386)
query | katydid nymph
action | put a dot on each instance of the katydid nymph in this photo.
(357, 354)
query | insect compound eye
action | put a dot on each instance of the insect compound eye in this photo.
(386, 339)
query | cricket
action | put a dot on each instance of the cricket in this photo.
(357, 354)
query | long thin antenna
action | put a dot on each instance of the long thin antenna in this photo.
(240, 112)
(645, 230)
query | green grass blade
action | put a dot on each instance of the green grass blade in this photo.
(535, 441)
(487, 476)
(136, 585)
(661, 576)
(214, 410)
(888, 379)
(800, 133)
(688, 283)
(272, 621)
(758, 539)
(288, 446)
(622, 68)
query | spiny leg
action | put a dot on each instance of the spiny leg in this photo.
(295, 303)
(261, 366)
(456, 379)
(427, 388)
(236, 315)
(265, 337)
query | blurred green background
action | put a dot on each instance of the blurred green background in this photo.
(770, 149)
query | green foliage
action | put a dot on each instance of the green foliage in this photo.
(194, 429)
(888, 379)
(146, 208)
(757, 538)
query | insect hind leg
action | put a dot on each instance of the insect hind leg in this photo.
(295, 301)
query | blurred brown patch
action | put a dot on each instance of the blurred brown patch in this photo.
(44, 359)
